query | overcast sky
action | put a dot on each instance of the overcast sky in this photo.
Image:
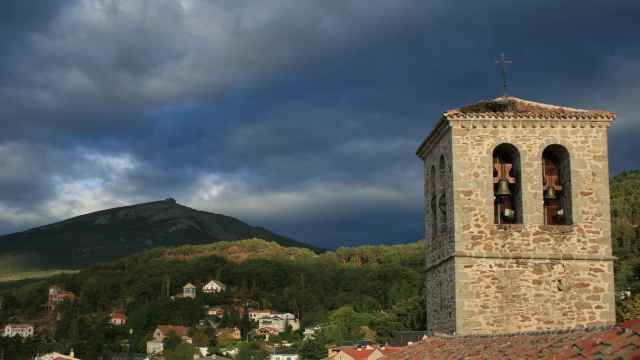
(300, 116)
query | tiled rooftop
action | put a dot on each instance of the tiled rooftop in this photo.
(618, 342)
(513, 107)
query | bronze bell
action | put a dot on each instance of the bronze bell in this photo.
(550, 193)
(503, 188)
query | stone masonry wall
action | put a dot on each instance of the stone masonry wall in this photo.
(511, 296)
(440, 244)
(439, 237)
(441, 297)
(505, 273)
(473, 203)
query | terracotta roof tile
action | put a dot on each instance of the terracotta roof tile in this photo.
(618, 342)
(359, 354)
(515, 108)
(178, 329)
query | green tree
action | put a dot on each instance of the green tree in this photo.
(251, 351)
(200, 338)
(313, 349)
(172, 341)
(183, 351)
(245, 324)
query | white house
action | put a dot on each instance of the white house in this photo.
(278, 323)
(156, 345)
(57, 356)
(189, 291)
(256, 315)
(310, 333)
(22, 330)
(286, 316)
(284, 357)
(213, 286)
(215, 311)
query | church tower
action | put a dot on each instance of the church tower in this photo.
(518, 229)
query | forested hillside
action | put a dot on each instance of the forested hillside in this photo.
(365, 291)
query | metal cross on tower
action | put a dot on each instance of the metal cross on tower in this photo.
(503, 62)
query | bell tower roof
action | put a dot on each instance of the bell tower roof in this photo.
(514, 110)
(511, 107)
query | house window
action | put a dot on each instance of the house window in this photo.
(507, 204)
(556, 185)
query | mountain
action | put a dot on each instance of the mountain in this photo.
(108, 234)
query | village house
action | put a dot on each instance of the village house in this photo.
(57, 294)
(256, 315)
(57, 356)
(311, 332)
(215, 311)
(288, 355)
(118, 318)
(267, 332)
(368, 352)
(278, 323)
(189, 291)
(358, 353)
(156, 345)
(286, 316)
(233, 333)
(213, 287)
(22, 330)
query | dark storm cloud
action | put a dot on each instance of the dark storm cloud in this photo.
(298, 116)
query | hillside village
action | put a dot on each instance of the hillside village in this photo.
(199, 315)
(215, 336)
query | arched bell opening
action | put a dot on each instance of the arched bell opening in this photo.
(507, 204)
(556, 185)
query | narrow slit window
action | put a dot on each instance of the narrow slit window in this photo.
(434, 211)
(442, 200)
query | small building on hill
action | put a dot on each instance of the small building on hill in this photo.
(57, 356)
(278, 323)
(267, 331)
(233, 333)
(156, 345)
(118, 318)
(256, 315)
(215, 311)
(22, 330)
(189, 291)
(368, 352)
(213, 287)
(57, 294)
(284, 354)
(358, 353)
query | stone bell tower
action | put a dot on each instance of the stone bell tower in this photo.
(517, 219)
